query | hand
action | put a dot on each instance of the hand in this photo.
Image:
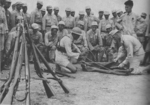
(121, 65)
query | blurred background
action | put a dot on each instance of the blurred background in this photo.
(78, 5)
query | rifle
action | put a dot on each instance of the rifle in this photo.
(6, 85)
(12, 89)
(47, 88)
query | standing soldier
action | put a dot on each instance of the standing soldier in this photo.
(95, 42)
(81, 18)
(43, 12)
(15, 14)
(90, 18)
(26, 16)
(129, 19)
(49, 20)
(51, 39)
(8, 14)
(56, 11)
(114, 18)
(3, 30)
(36, 16)
(141, 28)
(73, 13)
(69, 20)
(100, 17)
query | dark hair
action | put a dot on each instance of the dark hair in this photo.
(129, 2)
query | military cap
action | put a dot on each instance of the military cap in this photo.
(43, 9)
(108, 26)
(35, 26)
(113, 32)
(77, 31)
(101, 11)
(94, 23)
(49, 7)
(87, 7)
(106, 13)
(24, 5)
(61, 23)
(129, 2)
(40, 2)
(81, 12)
(9, 1)
(18, 3)
(81, 22)
(68, 9)
(114, 11)
(56, 8)
(144, 14)
(54, 27)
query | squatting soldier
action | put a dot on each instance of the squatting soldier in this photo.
(49, 20)
(69, 20)
(114, 18)
(95, 42)
(100, 17)
(8, 14)
(64, 51)
(36, 15)
(61, 30)
(26, 16)
(56, 11)
(129, 19)
(90, 18)
(81, 18)
(51, 39)
(17, 12)
(3, 30)
(43, 11)
(103, 23)
(141, 27)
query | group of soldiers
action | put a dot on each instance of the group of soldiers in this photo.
(124, 38)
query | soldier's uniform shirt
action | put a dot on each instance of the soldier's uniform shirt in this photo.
(3, 27)
(77, 19)
(48, 21)
(129, 22)
(63, 58)
(140, 30)
(69, 22)
(99, 19)
(59, 18)
(135, 51)
(62, 33)
(14, 16)
(90, 19)
(114, 20)
(26, 18)
(8, 17)
(36, 17)
(94, 38)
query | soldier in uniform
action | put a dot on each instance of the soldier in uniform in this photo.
(56, 11)
(64, 50)
(95, 42)
(90, 18)
(135, 51)
(119, 13)
(61, 30)
(16, 13)
(141, 27)
(69, 20)
(49, 20)
(8, 14)
(73, 13)
(3, 30)
(36, 15)
(129, 19)
(81, 18)
(114, 18)
(26, 16)
(43, 12)
(13, 7)
(100, 17)
(51, 39)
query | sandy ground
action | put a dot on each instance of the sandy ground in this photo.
(90, 89)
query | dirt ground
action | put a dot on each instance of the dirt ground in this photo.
(90, 89)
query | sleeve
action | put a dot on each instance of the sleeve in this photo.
(44, 23)
(121, 53)
(67, 45)
(129, 48)
(99, 38)
(5, 22)
(88, 41)
(85, 39)
(46, 39)
(32, 19)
